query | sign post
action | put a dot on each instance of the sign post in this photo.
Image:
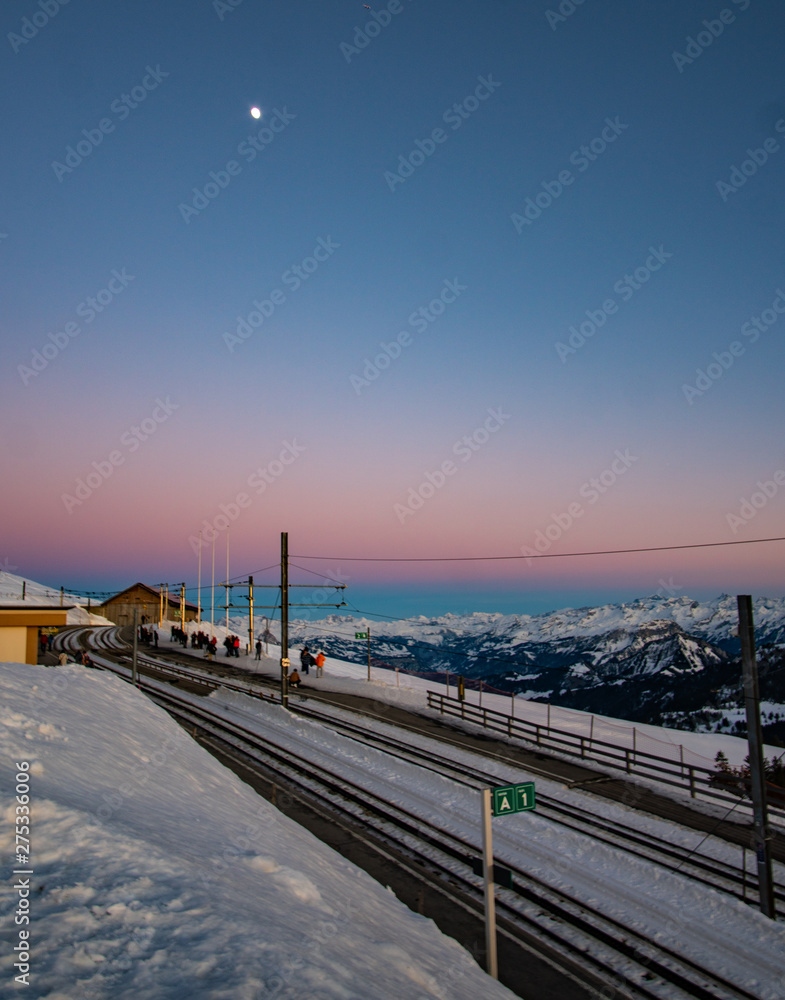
(500, 801)
(491, 961)
(366, 635)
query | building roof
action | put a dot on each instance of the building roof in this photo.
(155, 593)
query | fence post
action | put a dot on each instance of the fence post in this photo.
(627, 759)
(591, 732)
(583, 753)
(692, 782)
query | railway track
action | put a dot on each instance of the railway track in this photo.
(541, 918)
(533, 914)
(712, 872)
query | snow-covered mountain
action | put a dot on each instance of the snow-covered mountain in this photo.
(645, 635)
(643, 660)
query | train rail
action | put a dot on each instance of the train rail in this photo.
(712, 872)
(534, 913)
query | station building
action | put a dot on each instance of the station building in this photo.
(19, 629)
(120, 608)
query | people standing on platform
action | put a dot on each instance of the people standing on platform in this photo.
(294, 679)
(320, 663)
(236, 646)
(305, 660)
(258, 649)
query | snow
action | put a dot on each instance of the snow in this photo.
(127, 798)
(36, 594)
(410, 691)
(158, 874)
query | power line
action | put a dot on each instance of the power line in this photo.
(540, 555)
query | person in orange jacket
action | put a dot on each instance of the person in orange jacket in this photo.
(320, 664)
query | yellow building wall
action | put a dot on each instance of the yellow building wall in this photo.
(13, 645)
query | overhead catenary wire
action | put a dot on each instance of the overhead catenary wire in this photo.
(543, 555)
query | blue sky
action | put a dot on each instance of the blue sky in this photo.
(516, 95)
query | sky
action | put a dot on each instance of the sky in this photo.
(485, 279)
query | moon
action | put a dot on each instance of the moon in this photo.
(256, 113)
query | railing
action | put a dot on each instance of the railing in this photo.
(691, 777)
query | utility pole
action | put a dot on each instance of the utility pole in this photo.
(369, 652)
(182, 606)
(250, 613)
(160, 605)
(285, 619)
(136, 636)
(199, 585)
(755, 738)
(227, 580)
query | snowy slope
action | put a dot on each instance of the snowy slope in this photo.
(12, 589)
(158, 874)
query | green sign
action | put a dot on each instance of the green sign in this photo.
(512, 798)
(360, 635)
